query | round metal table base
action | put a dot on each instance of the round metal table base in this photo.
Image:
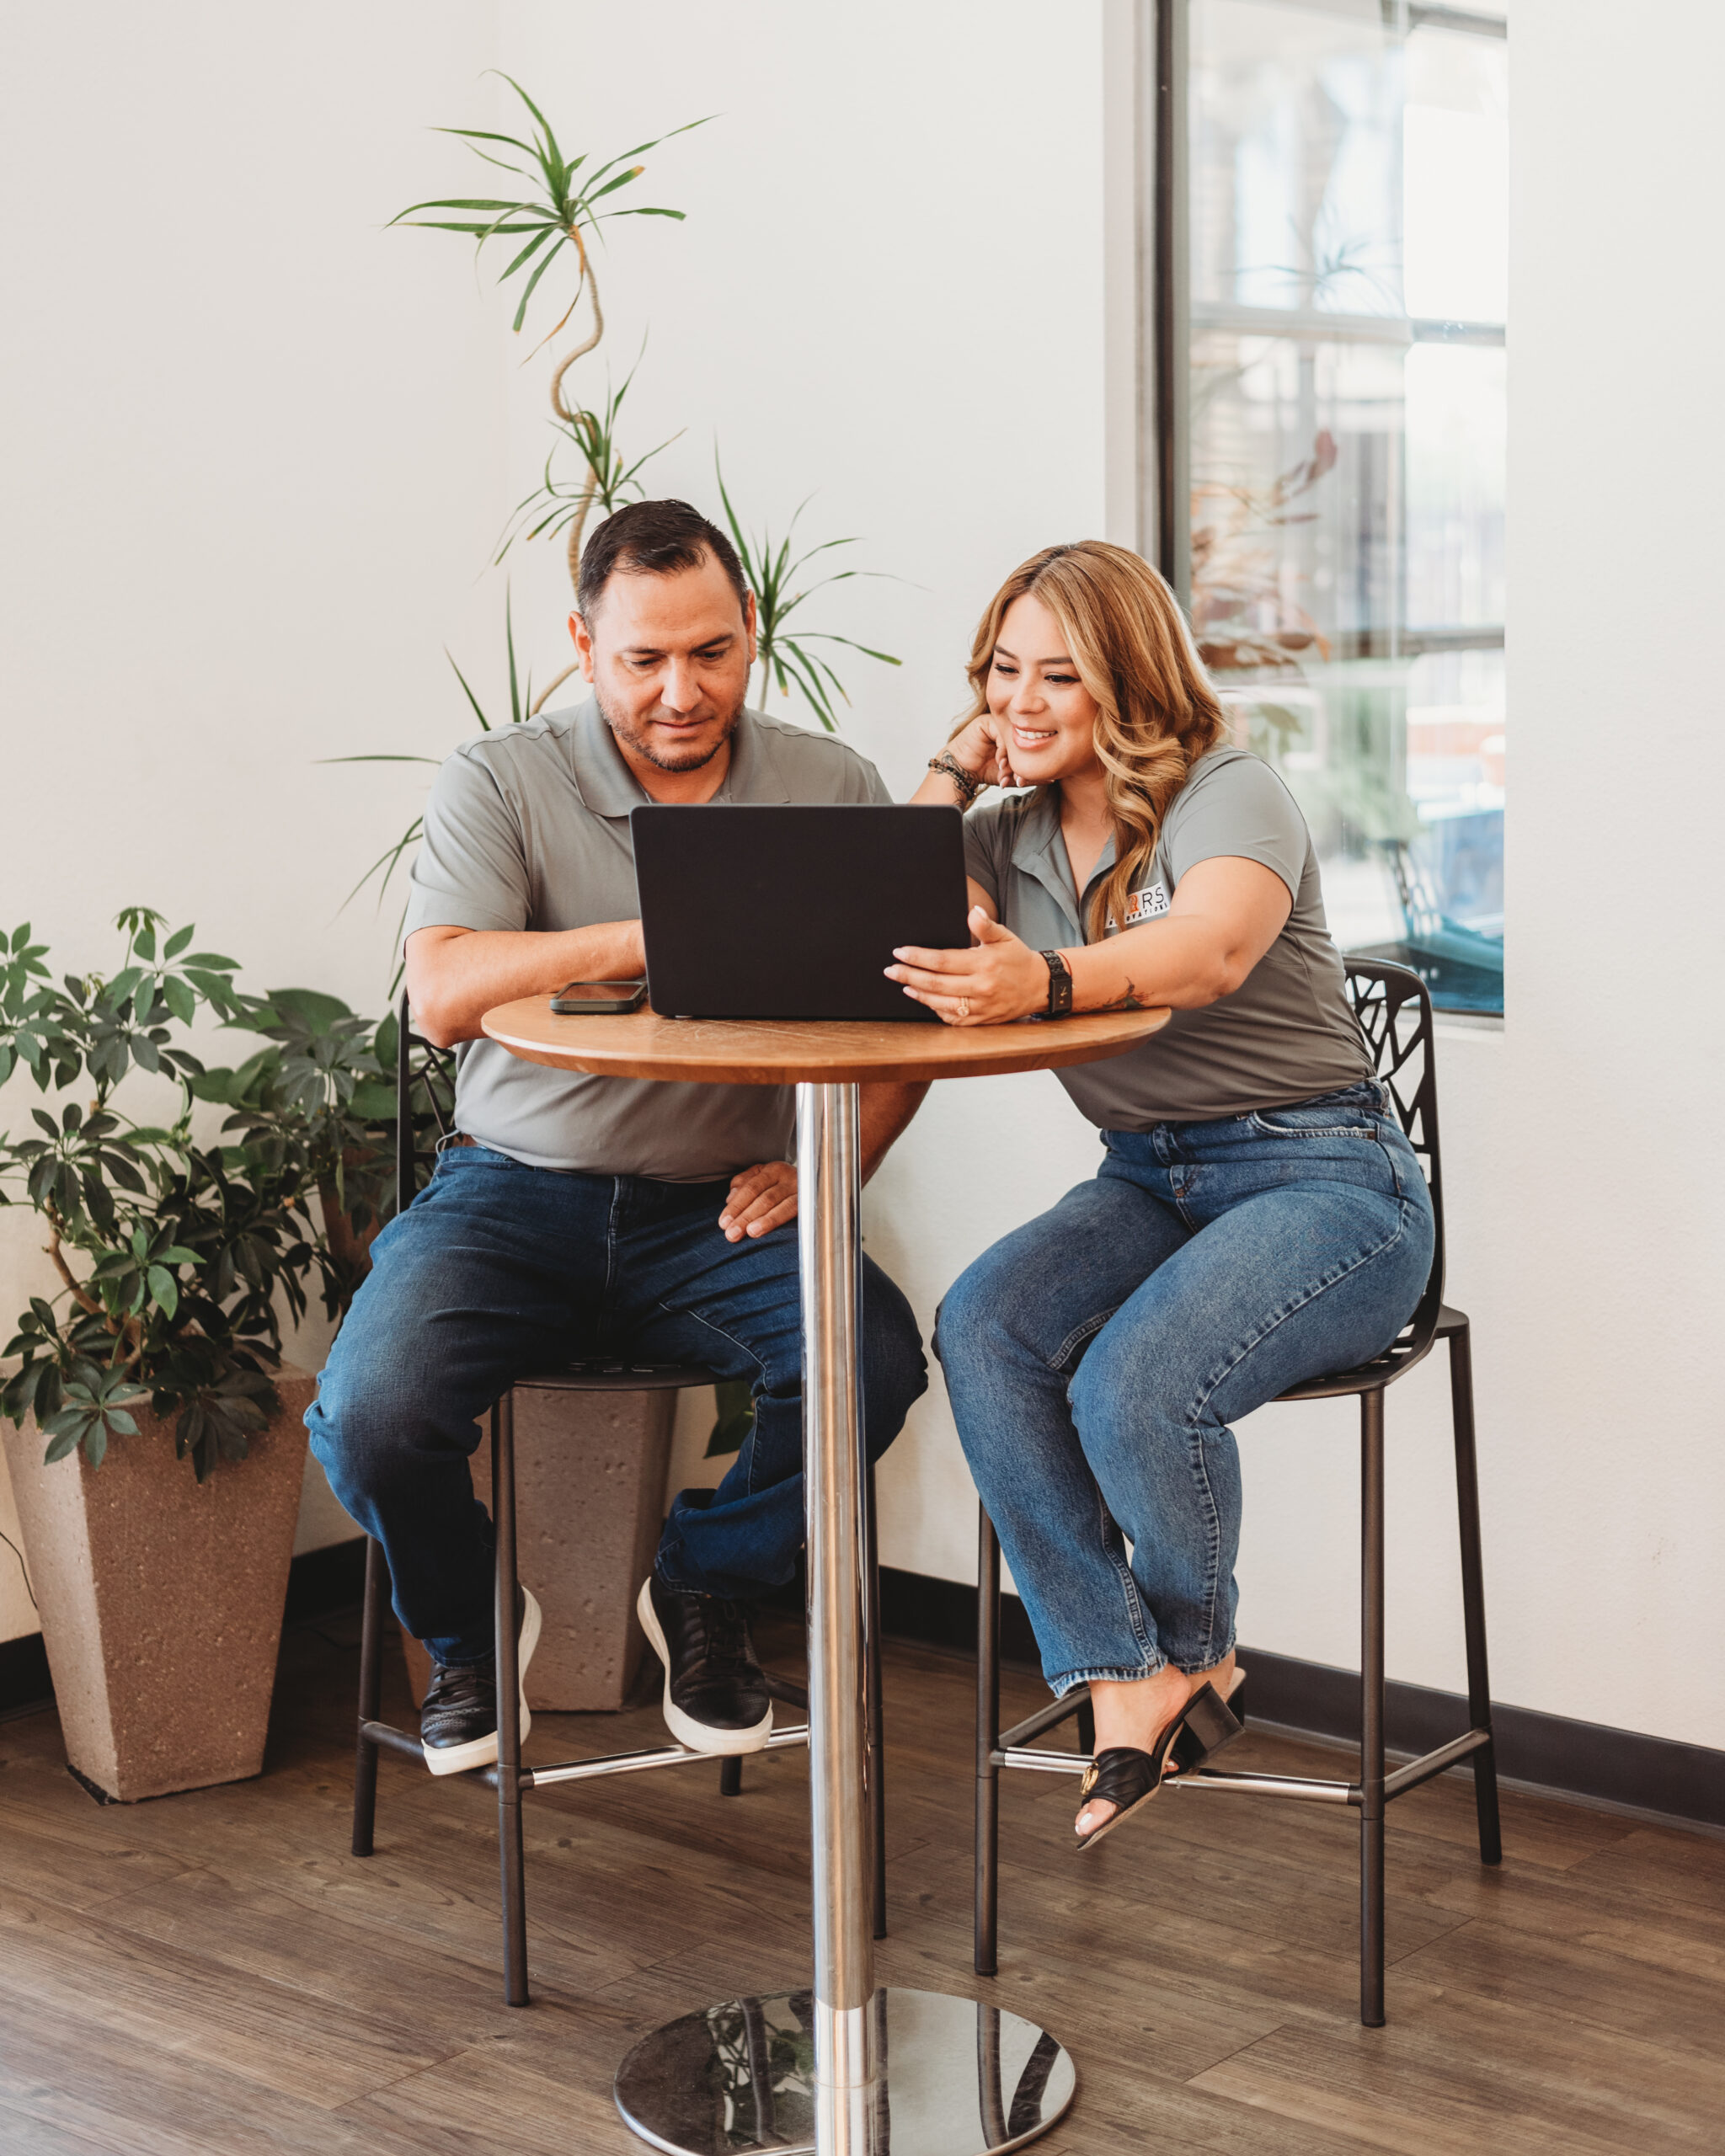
(956, 2079)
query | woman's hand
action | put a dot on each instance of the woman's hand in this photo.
(759, 1200)
(983, 749)
(998, 979)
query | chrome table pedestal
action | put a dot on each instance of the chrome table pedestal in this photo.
(845, 2069)
(955, 2079)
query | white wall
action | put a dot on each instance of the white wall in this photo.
(252, 464)
(899, 284)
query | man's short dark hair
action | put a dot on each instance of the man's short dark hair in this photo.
(653, 539)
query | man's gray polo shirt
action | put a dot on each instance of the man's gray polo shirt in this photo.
(528, 827)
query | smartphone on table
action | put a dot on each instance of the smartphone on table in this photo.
(598, 998)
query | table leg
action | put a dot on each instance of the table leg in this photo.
(692, 2088)
(829, 1186)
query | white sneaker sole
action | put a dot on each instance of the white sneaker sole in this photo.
(696, 1736)
(482, 1751)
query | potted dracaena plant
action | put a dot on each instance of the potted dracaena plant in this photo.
(152, 1431)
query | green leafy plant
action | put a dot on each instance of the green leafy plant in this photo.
(558, 504)
(325, 1085)
(176, 1258)
(552, 215)
(323, 1089)
(561, 206)
(785, 656)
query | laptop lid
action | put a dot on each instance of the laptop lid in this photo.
(750, 911)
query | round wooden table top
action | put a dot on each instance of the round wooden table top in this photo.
(819, 1051)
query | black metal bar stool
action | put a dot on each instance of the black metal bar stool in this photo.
(426, 1100)
(1395, 1014)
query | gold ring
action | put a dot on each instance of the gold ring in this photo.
(964, 1006)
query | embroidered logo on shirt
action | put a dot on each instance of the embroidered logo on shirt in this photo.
(1148, 904)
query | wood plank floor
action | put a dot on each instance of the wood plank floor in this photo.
(214, 1972)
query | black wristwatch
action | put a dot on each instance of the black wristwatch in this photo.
(1059, 985)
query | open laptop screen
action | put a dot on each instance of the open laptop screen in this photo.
(791, 912)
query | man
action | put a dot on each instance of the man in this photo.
(580, 1215)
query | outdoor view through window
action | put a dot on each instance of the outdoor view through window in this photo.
(1345, 417)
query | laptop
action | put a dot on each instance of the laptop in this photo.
(750, 911)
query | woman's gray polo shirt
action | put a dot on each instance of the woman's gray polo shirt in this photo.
(1287, 1034)
(528, 827)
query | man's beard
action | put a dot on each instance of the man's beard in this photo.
(623, 727)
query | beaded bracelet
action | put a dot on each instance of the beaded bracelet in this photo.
(968, 783)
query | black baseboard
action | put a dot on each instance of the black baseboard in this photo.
(1574, 1758)
(1571, 1759)
(24, 1682)
(942, 1614)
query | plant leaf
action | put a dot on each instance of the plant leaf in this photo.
(533, 281)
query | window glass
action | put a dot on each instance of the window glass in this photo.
(1345, 413)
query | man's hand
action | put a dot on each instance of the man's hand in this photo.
(998, 979)
(763, 1198)
(760, 1200)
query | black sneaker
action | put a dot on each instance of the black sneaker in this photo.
(458, 1720)
(716, 1697)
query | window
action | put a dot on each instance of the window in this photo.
(1331, 308)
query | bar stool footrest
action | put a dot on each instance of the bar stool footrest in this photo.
(391, 1739)
(1403, 1779)
(1039, 1761)
(388, 1738)
(1304, 1789)
(636, 1763)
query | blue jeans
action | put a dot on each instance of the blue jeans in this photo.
(497, 1269)
(1096, 1357)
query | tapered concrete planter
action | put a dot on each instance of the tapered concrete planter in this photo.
(590, 1496)
(161, 1601)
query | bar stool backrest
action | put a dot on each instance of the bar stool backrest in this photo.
(425, 1106)
(1395, 1015)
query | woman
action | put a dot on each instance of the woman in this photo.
(1258, 1217)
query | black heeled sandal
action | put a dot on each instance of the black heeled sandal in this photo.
(1189, 1751)
(1128, 1779)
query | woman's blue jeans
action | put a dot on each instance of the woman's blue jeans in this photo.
(497, 1269)
(1096, 1357)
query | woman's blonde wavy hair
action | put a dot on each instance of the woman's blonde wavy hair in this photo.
(1156, 712)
